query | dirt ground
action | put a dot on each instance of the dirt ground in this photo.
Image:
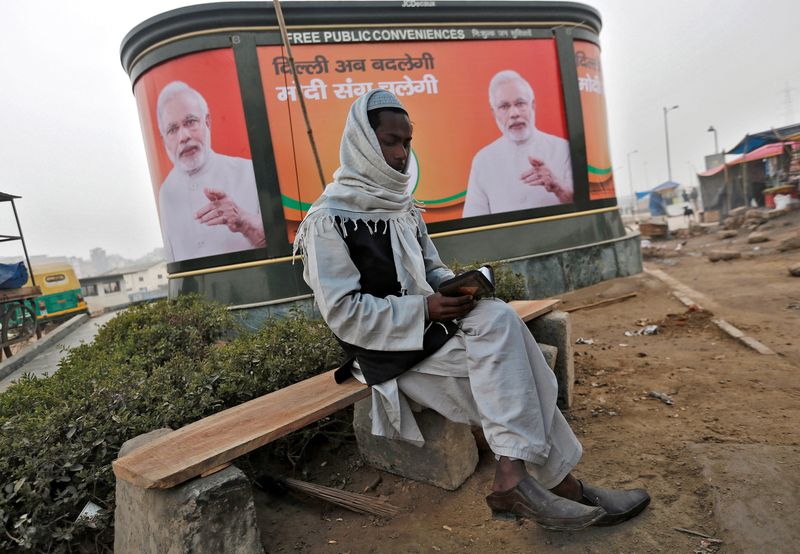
(723, 460)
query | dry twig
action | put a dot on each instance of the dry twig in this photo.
(350, 500)
(709, 538)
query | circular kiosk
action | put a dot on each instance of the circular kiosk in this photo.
(510, 153)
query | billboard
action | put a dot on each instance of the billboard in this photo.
(595, 124)
(472, 155)
(490, 134)
(198, 152)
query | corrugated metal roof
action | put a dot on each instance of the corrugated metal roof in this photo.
(754, 141)
(766, 151)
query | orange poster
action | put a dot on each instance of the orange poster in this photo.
(198, 152)
(595, 124)
(459, 148)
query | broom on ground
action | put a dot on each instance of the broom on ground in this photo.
(350, 500)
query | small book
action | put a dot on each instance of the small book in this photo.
(478, 282)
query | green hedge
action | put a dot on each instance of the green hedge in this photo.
(155, 365)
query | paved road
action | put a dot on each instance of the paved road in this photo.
(47, 361)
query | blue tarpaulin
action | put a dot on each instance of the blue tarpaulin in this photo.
(656, 205)
(13, 276)
(757, 140)
(666, 185)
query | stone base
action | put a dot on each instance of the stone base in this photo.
(555, 329)
(207, 515)
(550, 354)
(448, 458)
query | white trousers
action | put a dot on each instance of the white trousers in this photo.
(492, 374)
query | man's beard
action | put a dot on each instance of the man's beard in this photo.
(195, 161)
(520, 134)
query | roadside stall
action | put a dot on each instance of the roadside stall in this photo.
(17, 302)
(758, 176)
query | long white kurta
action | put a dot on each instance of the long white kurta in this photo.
(495, 183)
(491, 373)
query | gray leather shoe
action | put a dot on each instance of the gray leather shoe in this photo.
(531, 500)
(619, 505)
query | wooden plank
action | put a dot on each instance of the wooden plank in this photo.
(214, 470)
(224, 436)
(531, 309)
(22, 293)
(601, 302)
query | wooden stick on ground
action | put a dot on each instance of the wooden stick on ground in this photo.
(350, 500)
(709, 538)
(602, 302)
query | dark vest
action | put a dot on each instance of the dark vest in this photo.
(371, 252)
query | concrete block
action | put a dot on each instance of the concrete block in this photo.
(555, 329)
(447, 459)
(629, 256)
(790, 243)
(717, 255)
(544, 275)
(550, 354)
(207, 515)
(588, 266)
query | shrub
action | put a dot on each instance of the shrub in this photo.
(154, 365)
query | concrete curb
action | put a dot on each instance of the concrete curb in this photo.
(681, 292)
(741, 337)
(10, 365)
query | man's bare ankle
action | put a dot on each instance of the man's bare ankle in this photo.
(508, 474)
(569, 488)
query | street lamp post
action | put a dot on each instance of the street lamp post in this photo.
(630, 183)
(711, 129)
(666, 135)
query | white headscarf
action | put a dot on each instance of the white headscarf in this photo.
(365, 189)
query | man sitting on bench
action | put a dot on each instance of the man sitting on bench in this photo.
(373, 269)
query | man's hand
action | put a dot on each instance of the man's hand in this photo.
(221, 210)
(443, 308)
(539, 175)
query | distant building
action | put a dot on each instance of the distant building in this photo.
(104, 292)
(146, 282)
(122, 286)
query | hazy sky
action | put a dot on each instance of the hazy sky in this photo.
(70, 142)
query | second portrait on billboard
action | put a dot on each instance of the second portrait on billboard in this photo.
(524, 168)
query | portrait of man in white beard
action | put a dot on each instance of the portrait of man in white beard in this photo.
(524, 168)
(208, 204)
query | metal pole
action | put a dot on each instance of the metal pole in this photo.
(287, 46)
(24, 248)
(666, 135)
(712, 129)
(744, 173)
(630, 183)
